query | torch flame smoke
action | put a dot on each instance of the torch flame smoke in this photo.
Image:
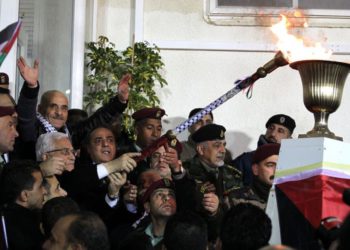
(296, 49)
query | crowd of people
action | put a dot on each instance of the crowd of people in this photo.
(70, 181)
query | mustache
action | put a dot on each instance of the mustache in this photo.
(57, 117)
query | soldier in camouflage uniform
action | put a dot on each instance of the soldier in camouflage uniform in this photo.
(208, 169)
(263, 168)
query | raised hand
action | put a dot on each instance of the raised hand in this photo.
(171, 157)
(130, 194)
(124, 163)
(52, 166)
(116, 181)
(30, 75)
(123, 88)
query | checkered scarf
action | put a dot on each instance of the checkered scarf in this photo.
(47, 126)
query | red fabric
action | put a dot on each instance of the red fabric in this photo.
(318, 197)
(4, 111)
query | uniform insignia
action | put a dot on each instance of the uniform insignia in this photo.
(158, 114)
(282, 119)
(166, 182)
(222, 133)
(173, 143)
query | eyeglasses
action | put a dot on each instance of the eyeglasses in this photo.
(100, 140)
(64, 151)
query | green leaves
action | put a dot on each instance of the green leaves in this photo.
(106, 67)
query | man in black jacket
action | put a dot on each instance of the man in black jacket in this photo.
(278, 127)
(53, 111)
(22, 193)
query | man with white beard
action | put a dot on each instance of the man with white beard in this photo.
(208, 169)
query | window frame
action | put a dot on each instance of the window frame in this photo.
(245, 16)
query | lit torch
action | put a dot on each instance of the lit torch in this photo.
(323, 80)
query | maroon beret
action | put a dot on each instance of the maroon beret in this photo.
(177, 145)
(162, 183)
(266, 151)
(154, 113)
(7, 110)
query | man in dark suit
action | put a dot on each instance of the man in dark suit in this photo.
(22, 192)
(53, 112)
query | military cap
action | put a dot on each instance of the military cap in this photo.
(266, 151)
(283, 120)
(4, 79)
(7, 110)
(154, 113)
(176, 144)
(209, 132)
(162, 183)
(196, 110)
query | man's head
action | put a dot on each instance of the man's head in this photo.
(265, 161)
(8, 122)
(159, 199)
(54, 209)
(245, 226)
(22, 183)
(210, 141)
(101, 145)
(186, 231)
(148, 125)
(54, 107)
(75, 116)
(58, 145)
(53, 188)
(4, 80)
(78, 231)
(145, 180)
(159, 163)
(279, 127)
(207, 119)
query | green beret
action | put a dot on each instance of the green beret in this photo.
(209, 132)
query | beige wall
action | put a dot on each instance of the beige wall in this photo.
(196, 77)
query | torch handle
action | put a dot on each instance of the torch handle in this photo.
(270, 66)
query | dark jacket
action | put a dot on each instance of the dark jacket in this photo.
(23, 228)
(30, 129)
(244, 162)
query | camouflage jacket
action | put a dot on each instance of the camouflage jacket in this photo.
(226, 179)
(257, 194)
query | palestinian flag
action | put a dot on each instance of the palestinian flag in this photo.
(7, 38)
(308, 193)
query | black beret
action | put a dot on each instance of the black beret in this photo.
(154, 113)
(162, 183)
(4, 79)
(209, 132)
(266, 151)
(283, 120)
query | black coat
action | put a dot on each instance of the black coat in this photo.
(23, 228)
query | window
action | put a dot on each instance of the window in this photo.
(320, 13)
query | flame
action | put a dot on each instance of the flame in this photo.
(296, 49)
